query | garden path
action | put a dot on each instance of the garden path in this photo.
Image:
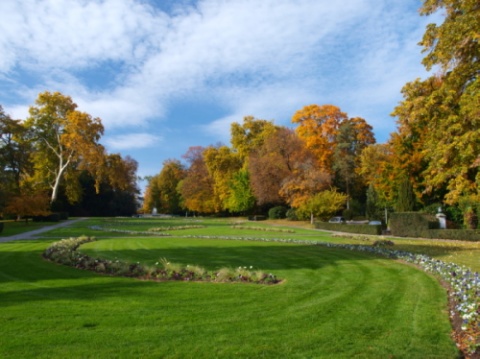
(34, 233)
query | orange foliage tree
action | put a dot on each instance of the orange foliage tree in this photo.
(318, 127)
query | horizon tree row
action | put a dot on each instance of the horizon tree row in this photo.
(269, 165)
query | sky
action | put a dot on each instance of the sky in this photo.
(164, 75)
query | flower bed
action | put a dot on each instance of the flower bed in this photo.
(65, 252)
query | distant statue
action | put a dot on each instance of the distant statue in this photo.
(442, 218)
(154, 211)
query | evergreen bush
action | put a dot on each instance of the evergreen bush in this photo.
(278, 212)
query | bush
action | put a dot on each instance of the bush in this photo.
(278, 212)
(292, 214)
(472, 235)
(1, 227)
(411, 224)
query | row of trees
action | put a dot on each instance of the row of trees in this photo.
(432, 159)
(53, 161)
(269, 165)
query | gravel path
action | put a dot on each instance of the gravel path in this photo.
(34, 233)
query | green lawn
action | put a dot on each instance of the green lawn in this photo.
(332, 304)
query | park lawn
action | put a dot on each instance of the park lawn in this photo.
(332, 303)
(11, 228)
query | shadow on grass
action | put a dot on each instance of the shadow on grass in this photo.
(264, 257)
(74, 292)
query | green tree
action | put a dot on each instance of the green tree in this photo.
(64, 140)
(353, 136)
(241, 198)
(405, 201)
(322, 205)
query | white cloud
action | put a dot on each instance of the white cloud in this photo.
(76, 34)
(131, 141)
(263, 58)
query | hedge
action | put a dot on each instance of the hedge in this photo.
(472, 235)
(411, 224)
(350, 228)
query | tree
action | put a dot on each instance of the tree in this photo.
(282, 157)
(353, 136)
(28, 205)
(14, 151)
(304, 183)
(241, 196)
(318, 127)
(250, 135)
(63, 139)
(376, 169)
(444, 108)
(322, 205)
(161, 192)
(222, 165)
(196, 188)
(405, 201)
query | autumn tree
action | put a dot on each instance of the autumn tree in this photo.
(249, 135)
(196, 188)
(28, 205)
(273, 162)
(64, 139)
(444, 108)
(222, 164)
(318, 127)
(161, 192)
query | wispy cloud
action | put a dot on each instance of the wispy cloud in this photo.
(132, 141)
(135, 62)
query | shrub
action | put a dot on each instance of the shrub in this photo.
(411, 224)
(292, 214)
(278, 212)
(1, 227)
(383, 243)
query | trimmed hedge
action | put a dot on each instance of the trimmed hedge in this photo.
(411, 224)
(472, 235)
(350, 228)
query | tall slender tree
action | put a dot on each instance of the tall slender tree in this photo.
(64, 139)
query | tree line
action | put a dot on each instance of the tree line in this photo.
(53, 162)
(432, 160)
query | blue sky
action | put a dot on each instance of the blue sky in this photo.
(164, 75)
